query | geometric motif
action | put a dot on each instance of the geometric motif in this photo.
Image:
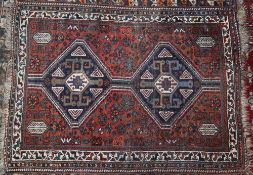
(166, 75)
(42, 38)
(173, 82)
(165, 54)
(146, 92)
(186, 92)
(166, 84)
(166, 114)
(57, 90)
(147, 75)
(75, 112)
(96, 91)
(115, 96)
(73, 90)
(79, 52)
(185, 75)
(97, 73)
(37, 127)
(208, 129)
(77, 81)
(58, 73)
(205, 42)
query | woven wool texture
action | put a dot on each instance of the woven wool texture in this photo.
(126, 87)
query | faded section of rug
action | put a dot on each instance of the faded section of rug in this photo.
(128, 87)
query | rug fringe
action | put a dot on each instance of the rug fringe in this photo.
(5, 88)
(244, 42)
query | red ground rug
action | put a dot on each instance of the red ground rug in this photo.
(138, 86)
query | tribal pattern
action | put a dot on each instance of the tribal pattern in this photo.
(101, 90)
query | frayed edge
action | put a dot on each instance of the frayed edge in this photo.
(244, 35)
(247, 128)
(5, 88)
(4, 113)
(244, 40)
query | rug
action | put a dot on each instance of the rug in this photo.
(119, 87)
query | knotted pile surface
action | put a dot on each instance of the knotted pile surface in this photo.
(137, 86)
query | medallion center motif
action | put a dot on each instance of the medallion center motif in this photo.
(166, 84)
(77, 82)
